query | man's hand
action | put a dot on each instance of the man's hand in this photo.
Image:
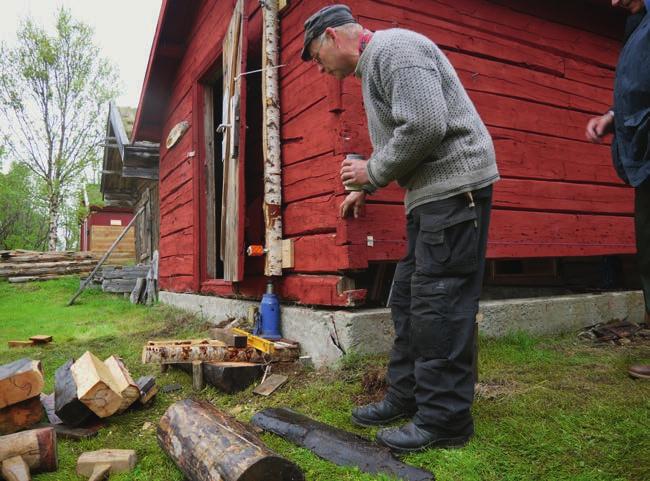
(354, 171)
(598, 127)
(354, 202)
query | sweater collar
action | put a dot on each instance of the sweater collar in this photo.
(363, 52)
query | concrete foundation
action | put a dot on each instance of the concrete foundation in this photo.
(326, 335)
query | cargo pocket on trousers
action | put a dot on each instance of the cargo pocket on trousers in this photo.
(430, 329)
(447, 244)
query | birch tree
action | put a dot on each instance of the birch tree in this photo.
(54, 91)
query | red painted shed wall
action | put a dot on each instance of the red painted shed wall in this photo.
(536, 72)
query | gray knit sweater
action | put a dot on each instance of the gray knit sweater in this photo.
(424, 129)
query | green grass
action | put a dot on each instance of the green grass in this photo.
(552, 408)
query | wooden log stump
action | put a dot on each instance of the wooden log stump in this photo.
(229, 377)
(96, 386)
(20, 380)
(21, 416)
(128, 389)
(208, 445)
(36, 448)
(67, 405)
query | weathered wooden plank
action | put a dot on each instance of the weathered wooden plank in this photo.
(67, 405)
(20, 380)
(542, 234)
(228, 451)
(119, 285)
(340, 447)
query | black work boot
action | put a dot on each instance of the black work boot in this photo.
(380, 413)
(410, 438)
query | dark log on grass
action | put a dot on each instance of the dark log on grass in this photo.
(67, 405)
(208, 445)
(335, 445)
(20, 380)
(21, 416)
(229, 377)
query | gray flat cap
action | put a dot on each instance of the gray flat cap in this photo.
(329, 16)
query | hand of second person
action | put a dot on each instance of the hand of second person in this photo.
(598, 127)
(354, 171)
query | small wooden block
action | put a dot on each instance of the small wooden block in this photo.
(270, 384)
(20, 380)
(197, 375)
(148, 388)
(20, 343)
(21, 415)
(228, 337)
(120, 460)
(41, 339)
(96, 386)
(257, 342)
(128, 389)
(67, 406)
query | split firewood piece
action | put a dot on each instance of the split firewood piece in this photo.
(208, 445)
(33, 450)
(340, 447)
(67, 405)
(148, 388)
(229, 337)
(206, 350)
(96, 386)
(128, 389)
(47, 400)
(20, 380)
(98, 465)
(229, 377)
(21, 415)
(41, 339)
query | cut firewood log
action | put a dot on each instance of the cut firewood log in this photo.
(171, 352)
(340, 447)
(208, 445)
(229, 337)
(21, 415)
(229, 377)
(128, 389)
(20, 380)
(20, 343)
(96, 386)
(148, 389)
(33, 450)
(67, 405)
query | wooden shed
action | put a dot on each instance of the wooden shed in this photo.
(536, 72)
(130, 180)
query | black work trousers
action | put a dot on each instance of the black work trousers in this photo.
(434, 302)
(642, 227)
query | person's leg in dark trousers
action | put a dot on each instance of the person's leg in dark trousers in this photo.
(445, 289)
(400, 399)
(642, 226)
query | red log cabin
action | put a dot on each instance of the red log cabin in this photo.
(536, 71)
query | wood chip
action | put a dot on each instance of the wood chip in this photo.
(270, 384)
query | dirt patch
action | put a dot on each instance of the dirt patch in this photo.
(497, 389)
(373, 384)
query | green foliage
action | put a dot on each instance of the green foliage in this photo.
(23, 221)
(54, 92)
(560, 409)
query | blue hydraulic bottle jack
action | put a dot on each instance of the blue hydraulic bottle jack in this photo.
(268, 323)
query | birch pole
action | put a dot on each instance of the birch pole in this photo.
(271, 138)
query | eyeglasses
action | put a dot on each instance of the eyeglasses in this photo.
(316, 56)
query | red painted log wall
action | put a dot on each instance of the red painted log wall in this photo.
(536, 73)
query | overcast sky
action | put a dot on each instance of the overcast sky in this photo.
(124, 31)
